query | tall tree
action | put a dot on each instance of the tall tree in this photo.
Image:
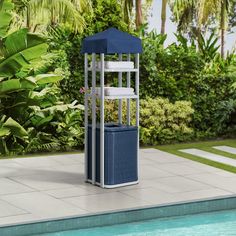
(218, 9)
(35, 13)
(138, 9)
(183, 13)
(223, 19)
(232, 14)
(163, 16)
(128, 6)
(199, 14)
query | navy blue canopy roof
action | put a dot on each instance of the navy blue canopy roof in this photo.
(112, 41)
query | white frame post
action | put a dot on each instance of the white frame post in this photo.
(128, 86)
(86, 116)
(93, 118)
(120, 100)
(102, 98)
(137, 105)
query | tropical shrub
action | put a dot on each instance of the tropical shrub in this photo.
(180, 72)
(5, 16)
(12, 134)
(226, 116)
(16, 52)
(208, 47)
(160, 120)
(56, 128)
(164, 122)
(226, 109)
(169, 72)
(107, 13)
(31, 114)
(34, 119)
(67, 48)
(213, 94)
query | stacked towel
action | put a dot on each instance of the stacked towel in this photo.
(115, 64)
(114, 91)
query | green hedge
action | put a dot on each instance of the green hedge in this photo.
(160, 120)
(181, 72)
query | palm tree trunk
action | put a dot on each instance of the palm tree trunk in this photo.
(222, 27)
(27, 17)
(138, 6)
(222, 43)
(198, 35)
(163, 16)
(127, 8)
(53, 17)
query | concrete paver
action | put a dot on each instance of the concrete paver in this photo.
(106, 202)
(8, 186)
(42, 204)
(7, 209)
(210, 156)
(226, 149)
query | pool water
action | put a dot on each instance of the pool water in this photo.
(221, 223)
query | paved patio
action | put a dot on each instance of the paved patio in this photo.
(40, 188)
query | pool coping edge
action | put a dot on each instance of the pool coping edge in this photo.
(120, 216)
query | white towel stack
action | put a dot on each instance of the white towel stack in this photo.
(115, 64)
(114, 91)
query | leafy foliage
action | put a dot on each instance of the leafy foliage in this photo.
(164, 122)
(18, 49)
(160, 120)
(226, 116)
(180, 72)
(232, 14)
(169, 72)
(107, 13)
(37, 15)
(5, 16)
(208, 48)
(37, 119)
(31, 113)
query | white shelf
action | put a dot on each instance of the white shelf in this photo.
(133, 96)
(116, 70)
(122, 97)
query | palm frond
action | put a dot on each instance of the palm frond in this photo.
(40, 13)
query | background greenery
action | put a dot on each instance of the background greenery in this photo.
(187, 89)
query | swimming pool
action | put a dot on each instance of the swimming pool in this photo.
(208, 217)
(221, 223)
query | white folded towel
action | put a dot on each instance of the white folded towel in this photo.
(112, 91)
(115, 64)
